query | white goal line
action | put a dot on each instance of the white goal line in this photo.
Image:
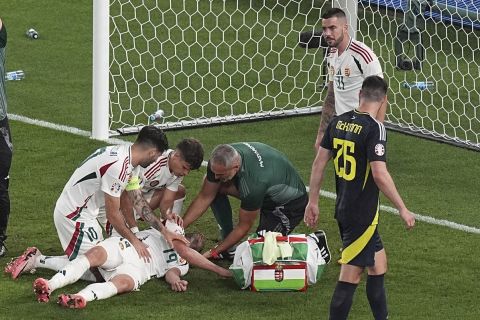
(327, 194)
(418, 217)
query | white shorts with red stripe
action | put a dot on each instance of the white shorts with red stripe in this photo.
(76, 235)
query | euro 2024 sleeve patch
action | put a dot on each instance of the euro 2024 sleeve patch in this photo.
(379, 149)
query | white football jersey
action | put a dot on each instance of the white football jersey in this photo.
(348, 71)
(107, 170)
(164, 257)
(157, 175)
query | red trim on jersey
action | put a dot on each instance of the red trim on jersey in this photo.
(108, 228)
(73, 241)
(105, 168)
(123, 173)
(279, 238)
(362, 51)
(331, 51)
(151, 172)
(75, 214)
(300, 265)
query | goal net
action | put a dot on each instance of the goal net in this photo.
(434, 42)
(210, 62)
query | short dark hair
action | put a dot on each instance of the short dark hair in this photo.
(374, 88)
(153, 137)
(192, 152)
(334, 12)
(196, 239)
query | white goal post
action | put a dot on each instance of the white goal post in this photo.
(214, 62)
(100, 81)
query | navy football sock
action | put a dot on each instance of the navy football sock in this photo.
(377, 297)
(342, 300)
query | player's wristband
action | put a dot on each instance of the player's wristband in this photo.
(134, 229)
(133, 184)
(214, 253)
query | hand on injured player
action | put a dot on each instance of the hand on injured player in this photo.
(142, 249)
(174, 217)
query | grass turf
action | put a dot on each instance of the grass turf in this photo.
(432, 270)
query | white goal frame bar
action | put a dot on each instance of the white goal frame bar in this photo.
(101, 60)
(101, 94)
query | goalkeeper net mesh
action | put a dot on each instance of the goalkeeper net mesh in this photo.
(208, 62)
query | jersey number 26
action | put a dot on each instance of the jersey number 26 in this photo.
(345, 164)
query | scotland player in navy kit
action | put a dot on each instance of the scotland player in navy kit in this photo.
(357, 143)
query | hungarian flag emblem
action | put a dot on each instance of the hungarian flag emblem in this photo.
(279, 273)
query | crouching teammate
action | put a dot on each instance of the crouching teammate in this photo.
(123, 269)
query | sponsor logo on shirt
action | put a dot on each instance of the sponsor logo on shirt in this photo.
(259, 157)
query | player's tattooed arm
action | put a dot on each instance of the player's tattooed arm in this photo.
(328, 112)
(142, 207)
(328, 109)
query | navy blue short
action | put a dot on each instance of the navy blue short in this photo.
(361, 253)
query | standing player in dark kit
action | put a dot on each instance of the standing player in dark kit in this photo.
(357, 143)
(6, 146)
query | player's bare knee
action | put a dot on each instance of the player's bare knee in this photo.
(123, 283)
(380, 266)
(351, 274)
(96, 256)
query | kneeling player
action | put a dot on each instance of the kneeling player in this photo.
(124, 271)
(161, 184)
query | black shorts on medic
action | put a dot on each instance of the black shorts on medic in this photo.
(284, 218)
(360, 243)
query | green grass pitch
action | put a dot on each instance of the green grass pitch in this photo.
(433, 270)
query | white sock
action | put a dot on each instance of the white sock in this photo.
(51, 262)
(177, 206)
(70, 273)
(57, 263)
(98, 291)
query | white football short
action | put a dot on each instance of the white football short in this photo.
(76, 235)
(123, 259)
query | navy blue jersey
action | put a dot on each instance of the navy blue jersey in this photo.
(355, 139)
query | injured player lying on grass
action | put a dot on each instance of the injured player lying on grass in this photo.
(124, 271)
